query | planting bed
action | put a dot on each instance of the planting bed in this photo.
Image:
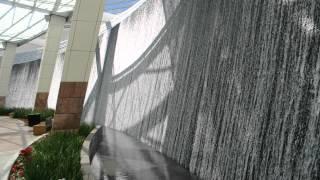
(56, 156)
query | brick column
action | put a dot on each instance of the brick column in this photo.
(2, 101)
(69, 105)
(85, 25)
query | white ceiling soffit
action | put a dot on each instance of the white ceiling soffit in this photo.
(22, 20)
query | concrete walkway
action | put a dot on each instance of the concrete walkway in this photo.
(14, 136)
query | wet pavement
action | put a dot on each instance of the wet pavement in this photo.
(14, 136)
(122, 157)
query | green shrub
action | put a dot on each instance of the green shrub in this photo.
(56, 157)
(44, 114)
(21, 113)
(5, 111)
(85, 129)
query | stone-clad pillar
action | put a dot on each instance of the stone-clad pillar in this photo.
(5, 71)
(85, 25)
(49, 57)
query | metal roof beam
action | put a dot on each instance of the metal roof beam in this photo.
(25, 29)
(20, 43)
(16, 23)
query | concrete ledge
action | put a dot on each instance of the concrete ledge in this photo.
(111, 154)
(89, 148)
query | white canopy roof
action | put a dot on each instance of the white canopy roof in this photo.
(21, 20)
(24, 20)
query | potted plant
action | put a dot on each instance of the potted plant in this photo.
(33, 119)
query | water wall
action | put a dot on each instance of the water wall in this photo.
(227, 88)
(24, 79)
(22, 85)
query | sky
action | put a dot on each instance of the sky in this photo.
(118, 6)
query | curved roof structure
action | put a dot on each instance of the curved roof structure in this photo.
(21, 20)
(24, 20)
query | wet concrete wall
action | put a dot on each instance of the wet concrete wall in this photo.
(24, 79)
(227, 88)
(23, 84)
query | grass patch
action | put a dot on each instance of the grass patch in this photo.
(57, 156)
(85, 129)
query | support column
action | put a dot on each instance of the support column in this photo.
(5, 71)
(49, 57)
(85, 25)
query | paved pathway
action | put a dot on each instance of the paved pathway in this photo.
(14, 136)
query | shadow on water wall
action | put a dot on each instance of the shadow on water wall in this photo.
(227, 88)
(96, 76)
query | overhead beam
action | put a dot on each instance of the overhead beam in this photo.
(16, 22)
(20, 43)
(6, 13)
(39, 21)
(56, 5)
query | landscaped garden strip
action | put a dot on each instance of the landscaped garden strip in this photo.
(55, 156)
